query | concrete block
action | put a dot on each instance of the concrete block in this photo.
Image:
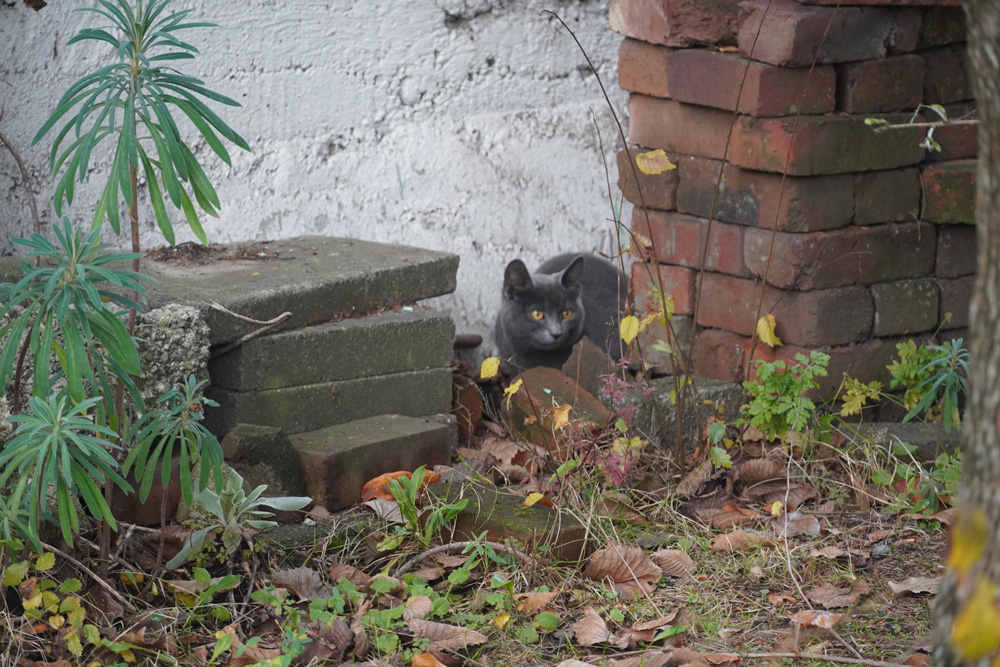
(264, 455)
(389, 342)
(338, 460)
(315, 406)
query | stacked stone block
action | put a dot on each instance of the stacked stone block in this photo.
(783, 197)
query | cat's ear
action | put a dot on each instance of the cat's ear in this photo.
(516, 279)
(572, 276)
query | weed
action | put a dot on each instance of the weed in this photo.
(778, 405)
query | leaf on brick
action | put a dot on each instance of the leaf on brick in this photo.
(654, 162)
(765, 331)
(560, 415)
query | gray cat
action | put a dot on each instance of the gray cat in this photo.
(544, 314)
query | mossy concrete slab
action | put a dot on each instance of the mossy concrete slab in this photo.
(264, 455)
(315, 406)
(337, 461)
(377, 344)
(504, 517)
(929, 439)
(315, 278)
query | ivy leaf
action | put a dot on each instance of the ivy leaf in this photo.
(654, 162)
(765, 331)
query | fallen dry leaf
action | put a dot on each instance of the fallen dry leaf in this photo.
(646, 659)
(629, 569)
(790, 525)
(529, 603)
(756, 471)
(832, 597)
(444, 636)
(739, 540)
(426, 660)
(778, 599)
(918, 660)
(591, 628)
(695, 480)
(916, 585)
(417, 606)
(387, 510)
(619, 508)
(656, 623)
(674, 562)
(689, 657)
(303, 582)
(815, 617)
(344, 572)
(791, 494)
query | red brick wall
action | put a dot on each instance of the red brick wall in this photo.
(853, 240)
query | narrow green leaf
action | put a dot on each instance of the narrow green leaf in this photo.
(156, 199)
(192, 218)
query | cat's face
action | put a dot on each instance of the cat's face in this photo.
(543, 312)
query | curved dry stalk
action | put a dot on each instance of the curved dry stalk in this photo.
(456, 546)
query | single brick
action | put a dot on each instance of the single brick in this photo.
(720, 354)
(949, 190)
(957, 142)
(876, 86)
(820, 145)
(658, 191)
(956, 251)
(942, 25)
(886, 196)
(956, 295)
(677, 22)
(677, 127)
(854, 255)
(946, 75)
(786, 33)
(729, 81)
(759, 199)
(337, 461)
(678, 282)
(904, 307)
(680, 239)
(643, 68)
(820, 317)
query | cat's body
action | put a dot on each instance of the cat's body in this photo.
(545, 313)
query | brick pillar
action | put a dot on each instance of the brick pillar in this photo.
(866, 240)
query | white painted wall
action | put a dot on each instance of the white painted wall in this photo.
(459, 125)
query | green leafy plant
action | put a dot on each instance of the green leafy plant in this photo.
(58, 447)
(162, 432)
(778, 405)
(131, 101)
(235, 515)
(423, 523)
(920, 488)
(941, 381)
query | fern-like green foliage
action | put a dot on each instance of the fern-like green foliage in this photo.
(778, 403)
(132, 102)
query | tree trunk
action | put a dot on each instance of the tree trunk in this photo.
(979, 498)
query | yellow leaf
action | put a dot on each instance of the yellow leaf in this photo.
(628, 328)
(654, 162)
(646, 321)
(976, 632)
(765, 331)
(560, 415)
(45, 562)
(34, 602)
(501, 620)
(489, 367)
(968, 541)
(532, 498)
(776, 508)
(511, 390)
(56, 621)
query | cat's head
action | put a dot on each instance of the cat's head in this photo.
(543, 312)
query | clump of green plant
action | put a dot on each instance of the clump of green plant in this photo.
(235, 515)
(920, 488)
(778, 405)
(421, 521)
(934, 377)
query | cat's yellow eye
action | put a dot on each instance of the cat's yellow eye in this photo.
(567, 314)
(537, 315)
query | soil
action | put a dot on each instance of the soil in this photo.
(193, 252)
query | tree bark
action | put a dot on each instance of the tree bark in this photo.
(979, 498)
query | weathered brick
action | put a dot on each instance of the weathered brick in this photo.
(820, 145)
(675, 22)
(886, 196)
(949, 191)
(942, 25)
(956, 295)
(720, 355)
(658, 191)
(680, 239)
(854, 255)
(875, 86)
(654, 357)
(757, 198)
(729, 81)
(946, 75)
(956, 251)
(678, 282)
(957, 142)
(676, 127)
(784, 32)
(643, 68)
(820, 317)
(904, 307)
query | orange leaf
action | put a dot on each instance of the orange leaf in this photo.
(426, 660)
(378, 487)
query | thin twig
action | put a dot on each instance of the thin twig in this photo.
(456, 546)
(93, 575)
(940, 123)
(827, 658)
(268, 325)
(36, 221)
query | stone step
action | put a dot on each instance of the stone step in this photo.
(315, 406)
(389, 342)
(337, 461)
(316, 278)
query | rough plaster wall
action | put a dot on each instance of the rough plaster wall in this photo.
(465, 126)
